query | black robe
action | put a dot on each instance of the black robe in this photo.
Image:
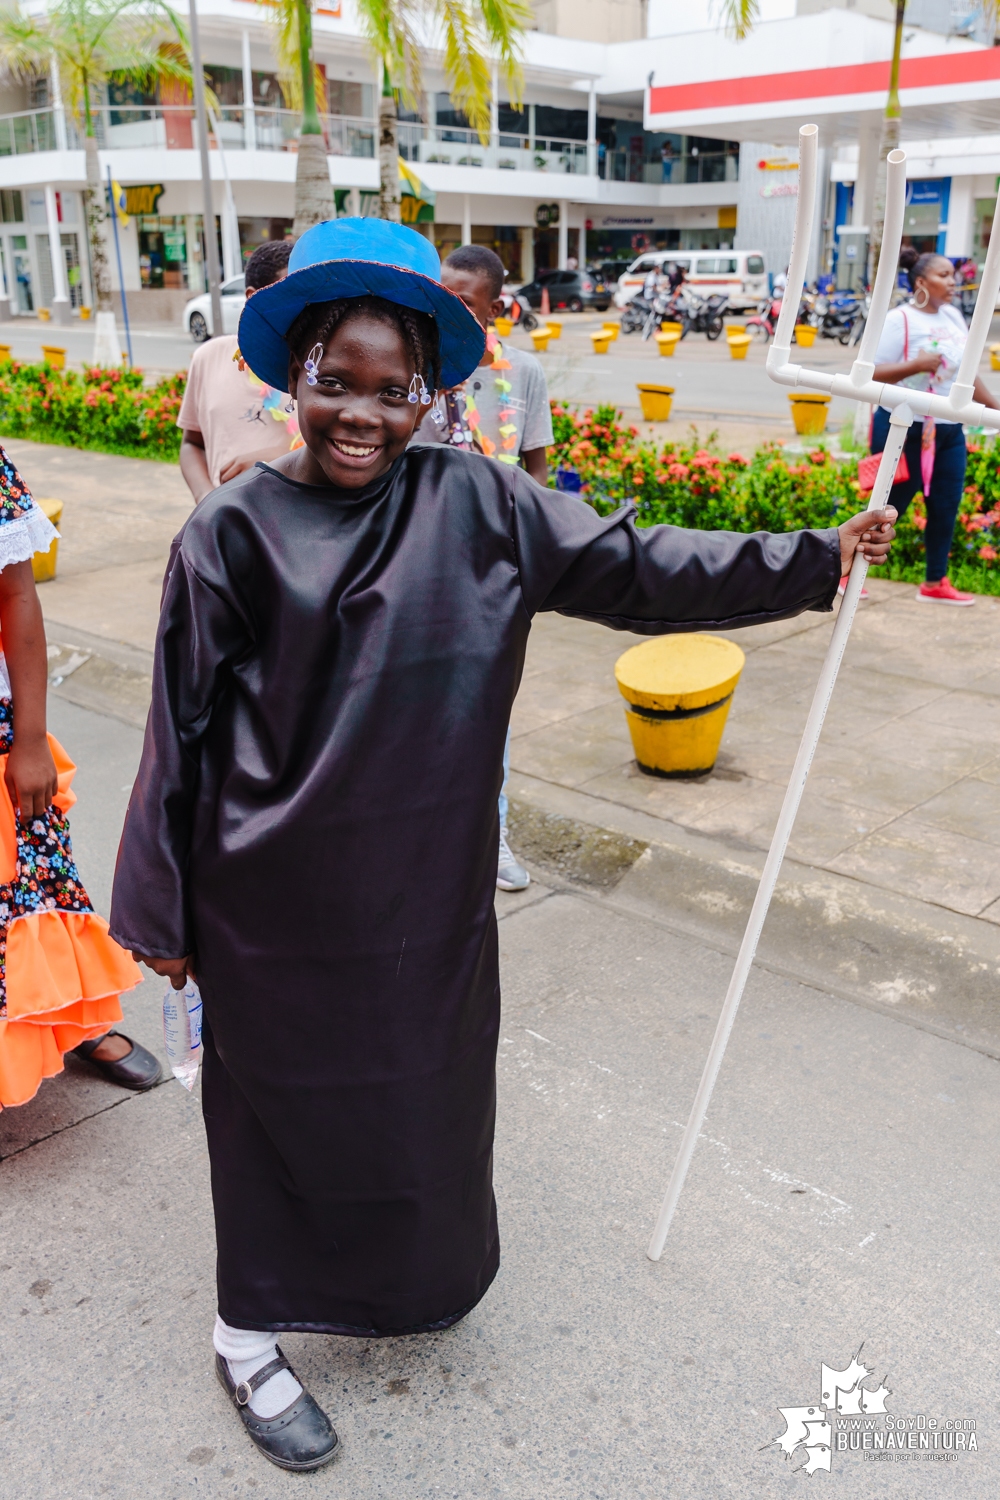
(315, 818)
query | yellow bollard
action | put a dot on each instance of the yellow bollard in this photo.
(540, 338)
(995, 356)
(613, 328)
(85, 313)
(809, 413)
(669, 327)
(805, 334)
(54, 355)
(504, 327)
(667, 343)
(656, 401)
(5, 355)
(555, 329)
(600, 341)
(678, 689)
(43, 564)
(44, 315)
(738, 345)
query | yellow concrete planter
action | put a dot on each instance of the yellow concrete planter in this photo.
(678, 689)
(43, 564)
(613, 328)
(805, 334)
(738, 345)
(44, 315)
(85, 313)
(656, 402)
(995, 356)
(5, 355)
(732, 328)
(54, 355)
(669, 327)
(555, 329)
(667, 343)
(503, 326)
(601, 341)
(540, 338)
(809, 413)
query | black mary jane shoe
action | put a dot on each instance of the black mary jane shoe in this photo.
(300, 1437)
(137, 1070)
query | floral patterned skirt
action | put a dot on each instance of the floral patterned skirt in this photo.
(61, 972)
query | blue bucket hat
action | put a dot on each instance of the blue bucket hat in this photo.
(358, 258)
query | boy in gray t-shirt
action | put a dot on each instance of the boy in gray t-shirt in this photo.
(501, 411)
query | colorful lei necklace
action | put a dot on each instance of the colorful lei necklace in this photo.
(465, 431)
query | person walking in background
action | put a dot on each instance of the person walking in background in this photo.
(503, 412)
(921, 346)
(230, 419)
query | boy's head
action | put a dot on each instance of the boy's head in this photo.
(476, 274)
(268, 264)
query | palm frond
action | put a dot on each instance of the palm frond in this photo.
(739, 16)
(468, 71)
(391, 30)
(505, 22)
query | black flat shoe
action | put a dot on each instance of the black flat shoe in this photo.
(300, 1437)
(137, 1070)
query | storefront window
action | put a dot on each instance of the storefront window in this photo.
(163, 258)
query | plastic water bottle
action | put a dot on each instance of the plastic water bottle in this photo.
(182, 1031)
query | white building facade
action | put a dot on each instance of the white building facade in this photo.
(679, 139)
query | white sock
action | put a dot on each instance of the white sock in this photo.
(246, 1351)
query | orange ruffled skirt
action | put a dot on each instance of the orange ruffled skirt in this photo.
(61, 970)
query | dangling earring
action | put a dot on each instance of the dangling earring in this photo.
(437, 417)
(311, 364)
(916, 294)
(425, 396)
(291, 404)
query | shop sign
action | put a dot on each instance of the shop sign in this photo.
(546, 214)
(777, 164)
(143, 200)
(780, 190)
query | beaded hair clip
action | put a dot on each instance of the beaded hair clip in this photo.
(418, 392)
(311, 363)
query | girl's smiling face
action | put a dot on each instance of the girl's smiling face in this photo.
(356, 420)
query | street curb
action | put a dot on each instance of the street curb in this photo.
(922, 964)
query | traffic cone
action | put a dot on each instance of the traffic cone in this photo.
(545, 309)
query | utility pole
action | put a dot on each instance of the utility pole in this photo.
(208, 210)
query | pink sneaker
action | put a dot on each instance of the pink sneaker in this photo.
(842, 587)
(943, 593)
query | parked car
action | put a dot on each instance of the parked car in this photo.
(736, 274)
(573, 290)
(198, 312)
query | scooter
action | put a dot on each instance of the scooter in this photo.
(518, 309)
(635, 314)
(702, 314)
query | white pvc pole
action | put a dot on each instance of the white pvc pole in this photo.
(900, 420)
(904, 404)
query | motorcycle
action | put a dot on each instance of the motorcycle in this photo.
(518, 310)
(835, 315)
(635, 314)
(765, 320)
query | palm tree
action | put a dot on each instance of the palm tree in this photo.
(92, 42)
(300, 79)
(470, 32)
(889, 141)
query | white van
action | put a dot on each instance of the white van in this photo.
(739, 274)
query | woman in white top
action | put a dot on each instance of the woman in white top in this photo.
(921, 346)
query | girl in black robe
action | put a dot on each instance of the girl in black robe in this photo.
(341, 640)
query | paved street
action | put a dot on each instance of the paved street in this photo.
(844, 1190)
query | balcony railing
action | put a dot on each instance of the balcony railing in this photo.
(33, 130)
(174, 128)
(635, 166)
(512, 153)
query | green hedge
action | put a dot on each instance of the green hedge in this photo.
(684, 484)
(107, 411)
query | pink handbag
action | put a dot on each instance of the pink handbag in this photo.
(868, 469)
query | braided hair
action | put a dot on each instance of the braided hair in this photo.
(318, 322)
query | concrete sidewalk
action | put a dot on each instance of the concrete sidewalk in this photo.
(844, 1189)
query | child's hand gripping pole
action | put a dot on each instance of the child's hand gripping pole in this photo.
(900, 421)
